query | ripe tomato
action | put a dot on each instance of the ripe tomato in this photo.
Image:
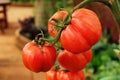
(74, 62)
(61, 75)
(51, 24)
(38, 59)
(81, 34)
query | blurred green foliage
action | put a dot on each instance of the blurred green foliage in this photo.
(105, 63)
(51, 6)
(108, 71)
(22, 1)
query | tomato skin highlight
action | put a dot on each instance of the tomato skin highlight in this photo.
(74, 62)
(61, 75)
(38, 59)
(81, 34)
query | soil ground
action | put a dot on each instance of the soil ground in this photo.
(11, 66)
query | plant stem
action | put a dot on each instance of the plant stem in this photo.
(53, 40)
(85, 2)
(58, 36)
(82, 4)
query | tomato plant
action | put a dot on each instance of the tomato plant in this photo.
(77, 31)
(38, 59)
(74, 62)
(61, 75)
(82, 32)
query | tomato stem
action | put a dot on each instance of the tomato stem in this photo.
(38, 39)
(41, 40)
(85, 2)
(58, 36)
(63, 69)
(82, 4)
(56, 67)
(67, 19)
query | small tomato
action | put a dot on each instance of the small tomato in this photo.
(60, 15)
(38, 59)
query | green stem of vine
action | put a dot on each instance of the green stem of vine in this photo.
(82, 4)
(58, 36)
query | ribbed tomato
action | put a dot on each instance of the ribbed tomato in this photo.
(38, 59)
(81, 34)
(61, 75)
(74, 62)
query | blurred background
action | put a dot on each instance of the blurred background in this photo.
(22, 20)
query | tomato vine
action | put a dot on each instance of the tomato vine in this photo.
(77, 31)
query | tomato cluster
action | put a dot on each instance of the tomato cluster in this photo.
(78, 33)
(82, 32)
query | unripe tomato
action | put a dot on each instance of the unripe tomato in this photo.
(38, 59)
(81, 34)
(74, 62)
(61, 75)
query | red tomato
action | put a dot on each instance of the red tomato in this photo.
(81, 34)
(38, 59)
(74, 62)
(61, 75)
(51, 28)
